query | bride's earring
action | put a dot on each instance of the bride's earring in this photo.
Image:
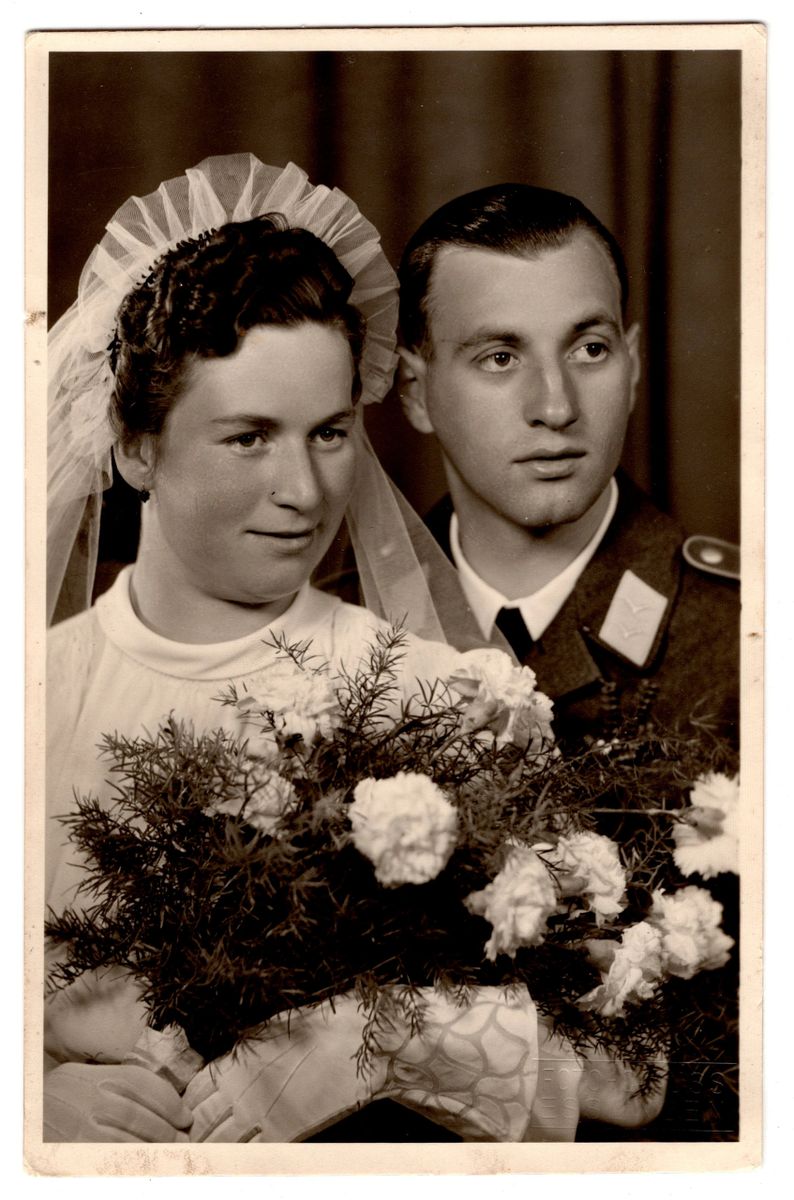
(136, 463)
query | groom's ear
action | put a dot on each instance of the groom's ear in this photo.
(413, 389)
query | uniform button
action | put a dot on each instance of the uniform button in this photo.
(712, 555)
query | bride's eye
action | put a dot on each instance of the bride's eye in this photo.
(330, 435)
(247, 441)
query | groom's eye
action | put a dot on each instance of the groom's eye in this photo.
(497, 361)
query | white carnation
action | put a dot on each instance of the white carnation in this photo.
(590, 867)
(689, 924)
(707, 841)
(518, 903)
(261, 742)
(633, 975)
(405, 826)
(502, 697)
(268, 798)
(303, 704)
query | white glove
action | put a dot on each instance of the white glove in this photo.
(556, 1109)
(472, 1069)
(98, 1018)
(590, 1085)
(607, 1093)
(87, 1102)
(295, 1080)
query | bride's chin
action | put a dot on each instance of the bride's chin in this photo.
(274, 600)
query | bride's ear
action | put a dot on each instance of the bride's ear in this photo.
(412, 377)
(135, 461)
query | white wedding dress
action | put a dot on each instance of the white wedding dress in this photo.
(490, 1071)
(107, 671)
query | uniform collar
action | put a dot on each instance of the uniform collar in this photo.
(641, 540)
(541, 607)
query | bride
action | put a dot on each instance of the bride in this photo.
(227, 332)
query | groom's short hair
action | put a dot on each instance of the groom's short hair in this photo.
(512, 218)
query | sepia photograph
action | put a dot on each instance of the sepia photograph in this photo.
(389, 640)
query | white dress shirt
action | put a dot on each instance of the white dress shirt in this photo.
(539, 609)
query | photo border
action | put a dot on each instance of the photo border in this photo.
(474, 1159)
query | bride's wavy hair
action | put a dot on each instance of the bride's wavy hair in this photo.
(203, 295)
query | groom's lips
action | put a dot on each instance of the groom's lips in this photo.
(551, 452)
(552, 464)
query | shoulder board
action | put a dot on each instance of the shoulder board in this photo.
(713, 556)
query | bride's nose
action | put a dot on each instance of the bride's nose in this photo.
(293, 479)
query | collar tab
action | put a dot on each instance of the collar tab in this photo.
(633, 619)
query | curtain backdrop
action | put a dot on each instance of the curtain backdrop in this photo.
(650, 141)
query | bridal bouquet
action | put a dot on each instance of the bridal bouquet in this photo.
(332, 847)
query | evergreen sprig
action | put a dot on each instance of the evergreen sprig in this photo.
(224, 926)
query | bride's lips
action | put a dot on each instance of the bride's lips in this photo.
(298, 539)
(552, 464)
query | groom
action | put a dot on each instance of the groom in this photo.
(517, 356)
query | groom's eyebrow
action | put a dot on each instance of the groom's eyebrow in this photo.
(486, 335)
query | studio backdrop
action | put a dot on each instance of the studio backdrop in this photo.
(649, 140)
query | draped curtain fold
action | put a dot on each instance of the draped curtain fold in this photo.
(649, 140)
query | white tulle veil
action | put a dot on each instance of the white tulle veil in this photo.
(403, 573)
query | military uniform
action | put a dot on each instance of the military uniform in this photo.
(687, 640)
(653, 619)
(613, 637)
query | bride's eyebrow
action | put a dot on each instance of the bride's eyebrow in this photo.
(255, 420)
(344, 414)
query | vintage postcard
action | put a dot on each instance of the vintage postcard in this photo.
(393, 654)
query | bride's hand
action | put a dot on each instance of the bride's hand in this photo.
(608, 1092)
(471, 1069)
(294, 1081)
(89, 1102)
(99, 1017)
(592, 1085)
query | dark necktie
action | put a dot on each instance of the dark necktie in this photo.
(510, 622)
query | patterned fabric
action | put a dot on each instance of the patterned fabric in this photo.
(474, 1069)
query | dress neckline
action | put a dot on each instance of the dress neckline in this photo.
(309, 611)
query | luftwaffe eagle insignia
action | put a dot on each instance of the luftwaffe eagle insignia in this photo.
(633, 618)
